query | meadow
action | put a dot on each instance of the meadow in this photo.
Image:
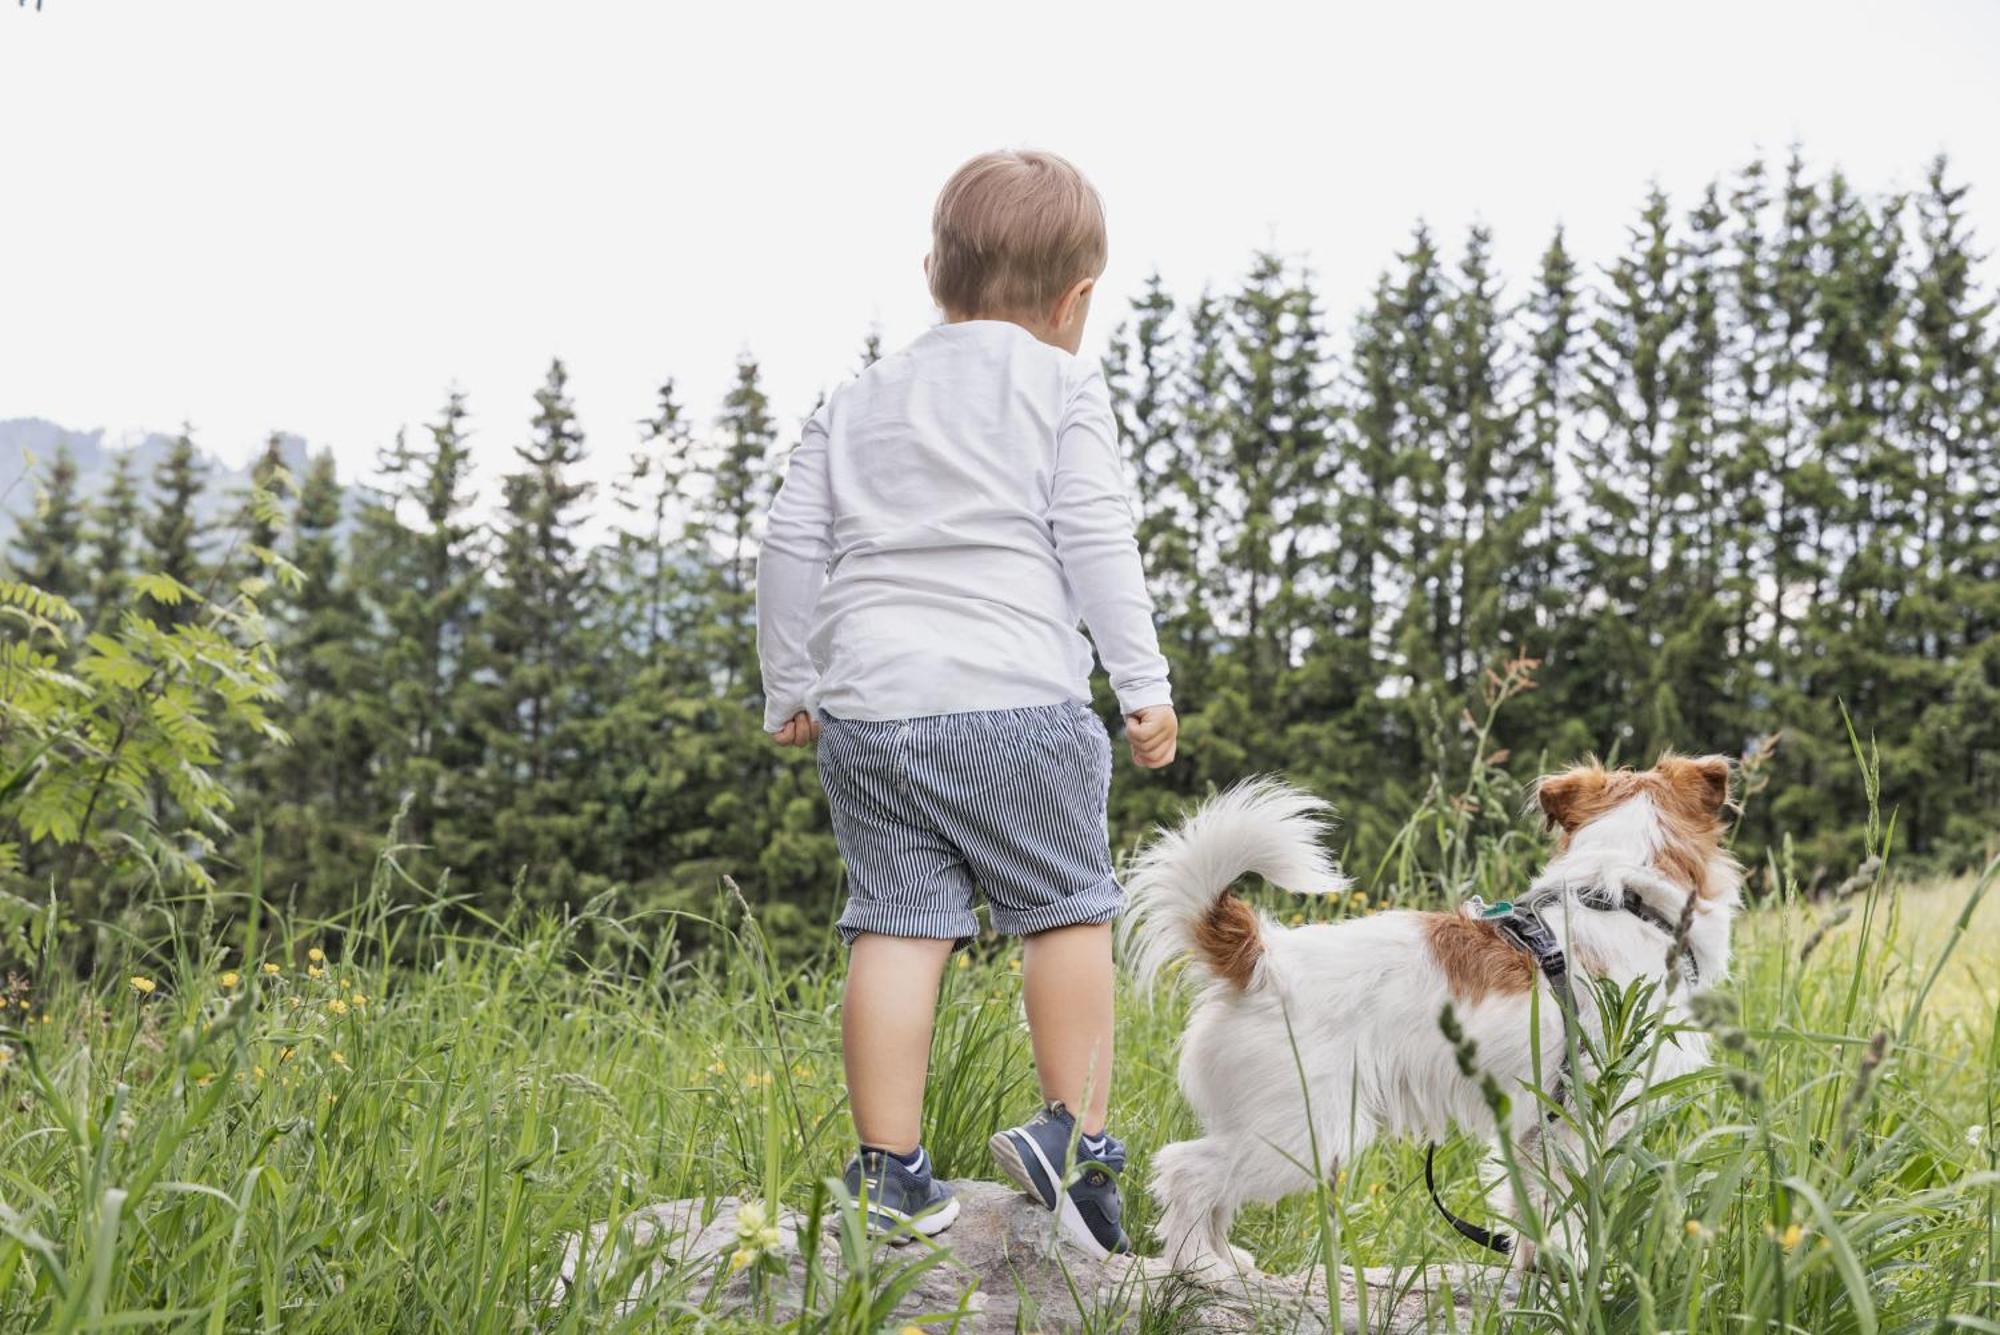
(388, 1117)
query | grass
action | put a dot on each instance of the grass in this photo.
(228, 1132)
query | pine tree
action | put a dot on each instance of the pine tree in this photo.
(417, 569)
(114, 520)
(257, 523)
(652, 491)
(1954, 422)
(1621, 461)
(1480, 434)
(1691, 679)
(174, 535)
(1532, 594)
(46, 545)
(1278, 466)
(534, 653)
(318, 798)
(737, 491)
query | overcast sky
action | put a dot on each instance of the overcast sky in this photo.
(320, 216)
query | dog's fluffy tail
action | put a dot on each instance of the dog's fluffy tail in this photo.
(1178, 896)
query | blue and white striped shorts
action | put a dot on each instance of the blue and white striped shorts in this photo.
(1010, 800)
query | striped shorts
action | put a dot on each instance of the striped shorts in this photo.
(1009, 800)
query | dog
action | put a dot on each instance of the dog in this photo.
(1343, 1018)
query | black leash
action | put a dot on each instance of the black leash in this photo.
(1484, 1237)
(1524, 926)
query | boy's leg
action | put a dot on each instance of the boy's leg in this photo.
(885, 1033)
(1067, 985)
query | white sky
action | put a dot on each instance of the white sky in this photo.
(319, 216)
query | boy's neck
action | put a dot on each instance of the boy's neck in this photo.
(1039, 328)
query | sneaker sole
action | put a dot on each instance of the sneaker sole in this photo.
(897, 1227)
(1007, 1153)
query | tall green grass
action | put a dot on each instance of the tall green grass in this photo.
(228, 1132)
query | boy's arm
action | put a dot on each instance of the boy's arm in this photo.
(791, 569)
(1091, 514)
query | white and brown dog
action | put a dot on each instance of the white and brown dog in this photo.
(1343, 1018)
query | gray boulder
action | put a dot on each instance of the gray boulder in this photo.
(1001, 1264)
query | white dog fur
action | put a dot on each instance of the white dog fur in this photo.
(1357, 1003)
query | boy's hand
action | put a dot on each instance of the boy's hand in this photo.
(801, 730)
(1152, 733)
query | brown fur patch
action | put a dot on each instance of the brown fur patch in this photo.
(1229, 940)
(1477, 961)
(1691, 795)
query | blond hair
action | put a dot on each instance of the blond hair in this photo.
(1012, 231)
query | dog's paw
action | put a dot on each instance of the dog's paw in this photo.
(1245, 1262)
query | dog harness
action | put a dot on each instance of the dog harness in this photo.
(1523, 925)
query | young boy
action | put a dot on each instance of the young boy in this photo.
(947, 519)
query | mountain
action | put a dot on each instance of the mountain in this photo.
(24, 436)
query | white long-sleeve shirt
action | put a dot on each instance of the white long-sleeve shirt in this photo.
(947, 519)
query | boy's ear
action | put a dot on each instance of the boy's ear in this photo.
(1070, 300)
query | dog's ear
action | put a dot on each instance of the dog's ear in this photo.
(1701, 781)
(1562, 796)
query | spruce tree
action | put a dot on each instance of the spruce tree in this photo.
(534, 659)
(47, 543)
(175, 538)
(418, 570)
(113, 525)
(738, 486)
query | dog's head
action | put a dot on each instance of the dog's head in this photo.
(1675, 812)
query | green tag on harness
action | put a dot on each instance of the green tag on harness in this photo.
(1504, 908)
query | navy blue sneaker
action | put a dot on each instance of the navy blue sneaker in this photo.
(1035, 1155)
(902, 1200)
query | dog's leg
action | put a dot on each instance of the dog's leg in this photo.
(1202, 1183)
(1189, 1181)
(1550, 1156)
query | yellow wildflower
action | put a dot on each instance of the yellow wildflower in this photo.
(740, 1259)
(143, 985)
(1298, 919)
(337, 1006)
(231, 979)
(295, 1001)
(314, 971)
(717, 1068)
(256, 1073)
(338, 1059)
(802, 1072)
(285, 1054)
(1791, 1236)
(316, 955)
(1695, 1230)
(964, 961)
(270, 968)
(358, 999)
(1014, 966)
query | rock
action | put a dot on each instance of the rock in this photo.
(1003, 1264)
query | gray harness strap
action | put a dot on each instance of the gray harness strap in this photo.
(1523, 926)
